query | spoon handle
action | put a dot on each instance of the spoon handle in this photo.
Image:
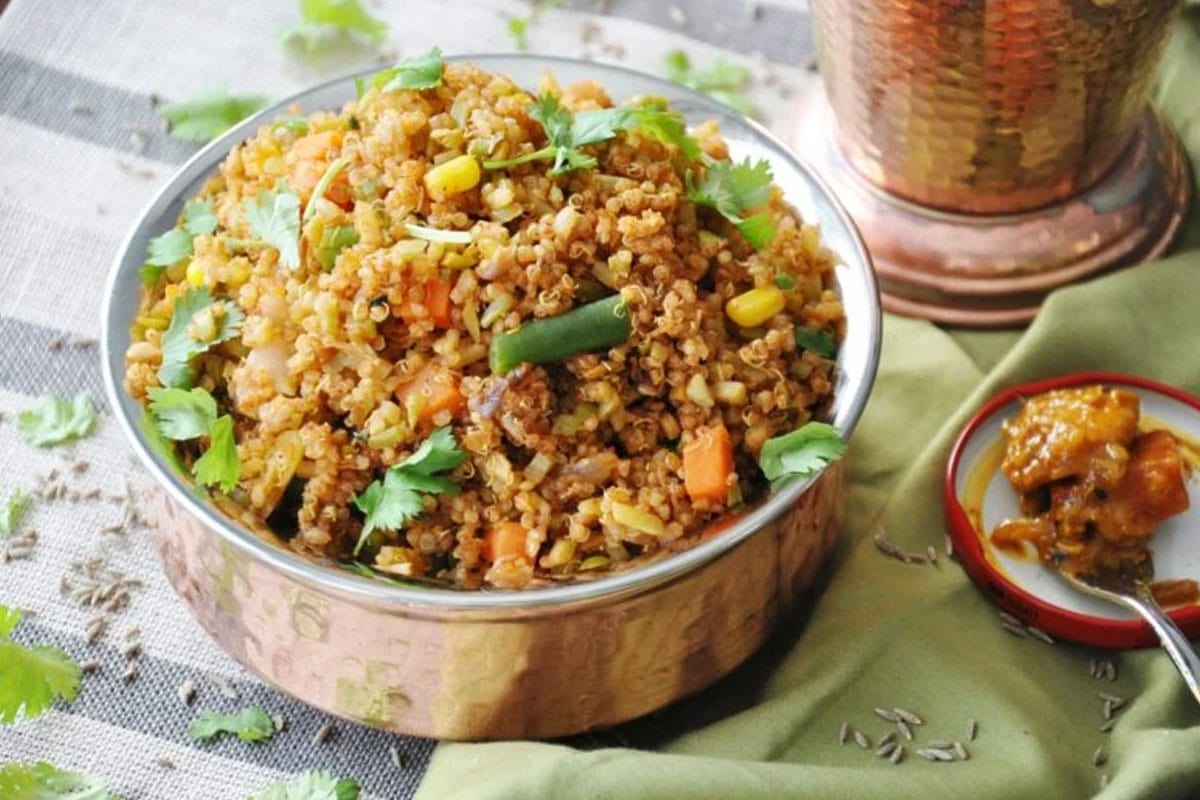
(1173, 641)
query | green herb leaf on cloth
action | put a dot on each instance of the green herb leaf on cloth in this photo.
(53, 420)
(390, 503)
(722, 80)
(31, 678)
(190, 334)
(313, 785)
(43, 781)
(801, 453)
(250, 725)
(208, 115)
(320, 18)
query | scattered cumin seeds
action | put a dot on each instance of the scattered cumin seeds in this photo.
(1099, 758)
(323, 733)
(1016, 630)
(1110, 671)
(905, 731)
(884, 750)
(940, 744)
(394, 756)
(186, 691)
(888, 737)
(1108, 726)
(861, 740)
(1010, 619)
(931, 555)
(131, 649)
(972, 730)
(933, 754)
(887, 714)
(130, 672)
(1116, 702)
(897, 755)
(279, 721)
(1039, 634)
(843, 733)
(961, 751)
(1106, 710)
(90, 665)
(908, 716)
(1093, 668)
(55, 344)
(165, 762)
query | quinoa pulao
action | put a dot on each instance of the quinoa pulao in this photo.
(465, 333)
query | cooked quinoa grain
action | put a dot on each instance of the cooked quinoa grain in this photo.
(345, 364)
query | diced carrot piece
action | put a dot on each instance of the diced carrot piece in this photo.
(435, 389)
(316, 146)
(437, 301)
(707, 464)
(505, 539)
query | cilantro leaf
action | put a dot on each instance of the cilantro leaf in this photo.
(32, 678)
(43, 781)
(312, 785)
(250, 725)
(275, 219)
(207, 116)
(818, 342)
(667, 126)
(732, 189)
(219, 464)
(182, 414)
(14, 509)
(801, 453)
(392, 502)
(721, 81)
(159, 443)
(176, 244)
(422, 71)
(53, 420)
(341, 17)
(190, 333)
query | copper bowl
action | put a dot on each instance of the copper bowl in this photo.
(543, 662)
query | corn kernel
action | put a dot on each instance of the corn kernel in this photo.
(755, 306)
(196, 274)
(455, 176)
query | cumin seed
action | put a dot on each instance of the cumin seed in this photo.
(280, 721)
(165, 762)
(888, 737)
(130, 672)
(949, 547)
(843, 733)
(905, 731)
(931, 555)
(1108, 726)
(394, 756)
(323, 733)
(940, 744)
(908, 716)
(972, 730)
(1039, 634)
(961, 751)
(90, 665)
(1016, 630)
(1100, 757)
(884, 750)
(186, 691)
(897, 755)
(887, 714)
(861, 740)
(1106, 710)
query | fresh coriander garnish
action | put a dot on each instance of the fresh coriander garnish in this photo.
(568, 132)
(208, 115)
(197, 323)
(13, 510)
(801, 453)
(437, 234)
(250, 725)
(733, 189)
(393, 501)
(31, 678)
(721, 81)
(422, 71)
(274, 217)
(340, 17)
(53, 420)
(313, 785)
(818, 342)
(519, 26)
(180, 415)
(176, 244)
(43, 781)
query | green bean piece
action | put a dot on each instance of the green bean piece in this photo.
(595, 326)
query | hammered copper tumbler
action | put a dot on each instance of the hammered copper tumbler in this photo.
(993, 150)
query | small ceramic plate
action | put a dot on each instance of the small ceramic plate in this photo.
(976, 492)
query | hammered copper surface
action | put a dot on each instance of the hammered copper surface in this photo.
(988, 106)
(491, 675)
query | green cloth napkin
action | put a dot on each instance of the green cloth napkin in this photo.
(888, 634)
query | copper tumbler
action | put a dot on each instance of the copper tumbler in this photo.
(994, 150)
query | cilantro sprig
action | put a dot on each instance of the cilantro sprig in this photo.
(190, 333)
(312, 785)
(208, 115)
(181, 415)
(721, 81)
(321, 19)
(176, 244)
(250, 725)
(733, 189)
(390, 503)
(801, 453)
(44, 781)
(31, 678)
(423, 71)
(568, 133)
(274, 217)
(53, 420)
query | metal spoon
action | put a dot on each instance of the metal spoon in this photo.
(1129, 586)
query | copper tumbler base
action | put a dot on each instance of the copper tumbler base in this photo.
(991, 271)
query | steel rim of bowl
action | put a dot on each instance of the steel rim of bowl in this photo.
(634, 580)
